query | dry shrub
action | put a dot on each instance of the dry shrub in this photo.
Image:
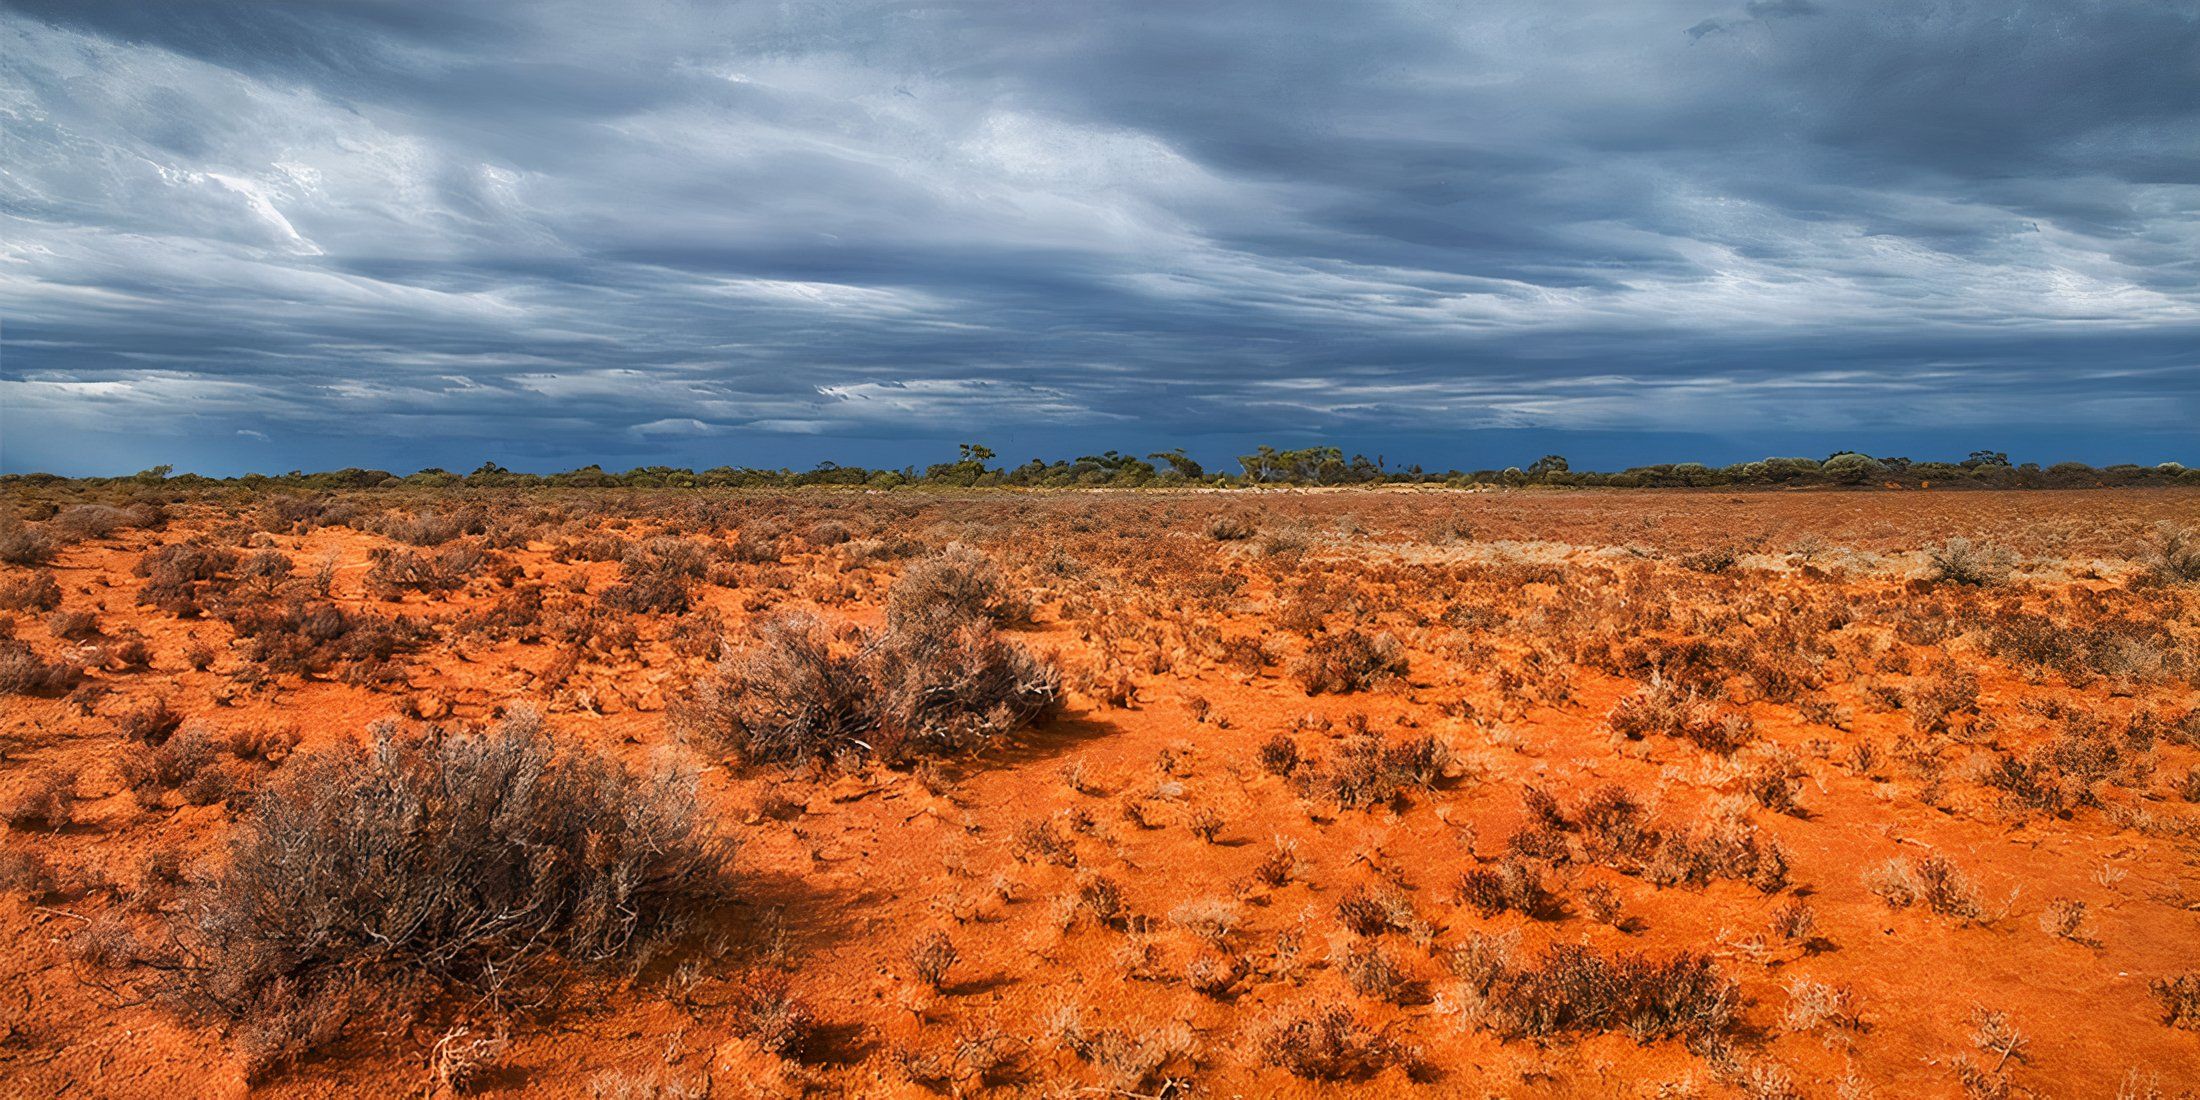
(1371, 972)
(1373, 910)
(1933, 881)
(1213, 975)
(1349, 661)
(30, 592)
(954, 586)
(1813, 1004)
(1040, 841)
(1213, 920)
(149, 724)
(1206, 823)
(1960, 561)
(44, 801)
(2064, 918)
(1101, 898)
(1935, 699)
(2175, 554)
(1725, 845)
(85, 522)
(768, 1012)
(830, 532)
(1512, 883)
(447, 861)
(430, 528)
(177, 574)
(2179, 996)
(650, 1084)
(1663, 707)
(1280, 865)
(1772, 777)
(25, 870)
(933, 958)
(22, 672)
(1131, 1061)
(1231, 528)
(305, 636)
(1326, 1043)
(1370, 772)
(649, 594)
(1575, 990)
(21, 544)
(1795, 921)
(462, 1061)
(200, 763)
(74, 626)
(804, 692)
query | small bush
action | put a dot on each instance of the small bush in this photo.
(1280, 865)
(804, 692)
(1372, 911)
(1933, 881)
(23, 673)
(74, 626)
(450, 861)
(1371, 972)
(1795, 921)
(1231, 528)
(1130, 1060)
(951, 587)
(1213, 975)
(31, 592)
(23, 545)
(1574, 989)
(1350, 661)
(2064, 918)
(1325, 1043)
(2179, 996)
(829, 532)
(933, 958)
(768, 1012)
(149, 724)
(2176, 555)
(1663, 707)
(176, 574)
(26, 871)
(1369, 772)
(1959, 561)
(1723, 845)
(1280, 755)
(1511, 884)
(45, 801)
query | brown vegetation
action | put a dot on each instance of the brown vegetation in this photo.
(1154, 794)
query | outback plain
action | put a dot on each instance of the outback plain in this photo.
(678, 794)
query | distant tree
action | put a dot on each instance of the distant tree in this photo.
(1181, 463)
(1986, 458)
(1850, 468)
(1548, 464)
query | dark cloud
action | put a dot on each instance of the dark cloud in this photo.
(364, 230)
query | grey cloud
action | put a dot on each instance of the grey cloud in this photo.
(587, 230)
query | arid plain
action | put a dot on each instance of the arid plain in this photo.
(633, 794)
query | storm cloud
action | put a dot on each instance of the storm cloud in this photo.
(264, 236)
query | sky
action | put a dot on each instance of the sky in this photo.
(1463, 233)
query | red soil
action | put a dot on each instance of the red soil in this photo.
(1508, 607)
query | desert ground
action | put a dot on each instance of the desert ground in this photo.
(642, 794)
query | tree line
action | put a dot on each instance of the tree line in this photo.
(1267, 466)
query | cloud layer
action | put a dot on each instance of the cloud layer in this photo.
(265, 236)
